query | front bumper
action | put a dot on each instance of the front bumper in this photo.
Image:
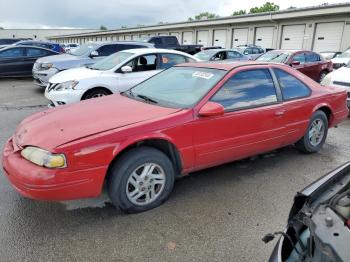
(41, 183)
(63, 97)
(41, 77)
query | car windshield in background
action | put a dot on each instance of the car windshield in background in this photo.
(273, 57)
(327, 55)
(179, 87)
(345, 54)
(206, 55)
(111, 61)
(83, 49)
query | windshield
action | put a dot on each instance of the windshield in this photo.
(83, 49)
(179, 87)
(206, 55)
(111, 61)
(345, 54)
(327, 55)
(273, 57)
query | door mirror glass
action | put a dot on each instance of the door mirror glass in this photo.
(126, 69)
(93, 54)
(211, 109)
(295, 63)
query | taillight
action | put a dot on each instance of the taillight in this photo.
(62, 50)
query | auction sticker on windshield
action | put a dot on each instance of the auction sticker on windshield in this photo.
(202, 75)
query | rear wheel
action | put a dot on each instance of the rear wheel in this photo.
(315, 135)
(142, 179)
(95, 93)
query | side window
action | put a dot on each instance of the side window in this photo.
(169, 60)
(233, 55)
(36, 52)
(107, 50)
(12, 53)
(246, 89)
(248, 51)
(256, 51)
(312, 57)
(300, 57)
(261, 51)
(143, 63)
(219, 56)
(291, 87)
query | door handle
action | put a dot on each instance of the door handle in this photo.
(280, 113)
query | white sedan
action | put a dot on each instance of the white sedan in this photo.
(340, 78)
(115, 73)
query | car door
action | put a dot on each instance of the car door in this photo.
(31, 55)
(11, 61)
(143, 67)
(302, 66)
(252, 122)
(314, 67)
(297, 104)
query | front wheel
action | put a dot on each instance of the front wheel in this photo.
(142, 179)
(315, 135)
(95, 93)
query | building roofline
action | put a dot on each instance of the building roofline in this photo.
(272, 16)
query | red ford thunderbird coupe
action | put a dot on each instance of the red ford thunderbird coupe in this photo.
(184, 119)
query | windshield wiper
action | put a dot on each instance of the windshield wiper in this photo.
(146, 98)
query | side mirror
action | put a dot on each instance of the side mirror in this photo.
(93, 54)
(295, 63)
(211, 109)
(126, 69)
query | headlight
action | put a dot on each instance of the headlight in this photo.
(46, 65)
(66, 85)
(327, 80)
(44, 158)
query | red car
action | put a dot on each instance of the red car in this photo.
(184, 119)
(309, 63)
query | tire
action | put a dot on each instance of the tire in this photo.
(95, 93)
(322, 76)
(315, 135)
(132, 193)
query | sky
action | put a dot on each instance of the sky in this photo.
(116, 13)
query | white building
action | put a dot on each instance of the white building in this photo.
(320, 28)
(39, 34)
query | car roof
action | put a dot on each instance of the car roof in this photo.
(140, 51)
(25, 46)
(121, 42)
(227, 65)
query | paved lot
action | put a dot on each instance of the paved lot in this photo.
(218, 214)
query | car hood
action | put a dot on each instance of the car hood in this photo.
(74, 74)
(54, 127)
(340, 60)
(342, 74)
(66, 61)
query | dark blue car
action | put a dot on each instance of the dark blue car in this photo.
(48, 45)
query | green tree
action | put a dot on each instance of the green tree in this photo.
(204, 15)
(102, 27)
(267, 7)
(240, 12)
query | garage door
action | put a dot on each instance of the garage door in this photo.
(264, 36)
(202, 37)
(135, 37)
(240, 37)
(328, 36)
(162, 34)
(220, 38)
(293, 36)
(187, 38)
(127, 37)
(177, 34)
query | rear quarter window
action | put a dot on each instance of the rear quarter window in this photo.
(291, 87)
